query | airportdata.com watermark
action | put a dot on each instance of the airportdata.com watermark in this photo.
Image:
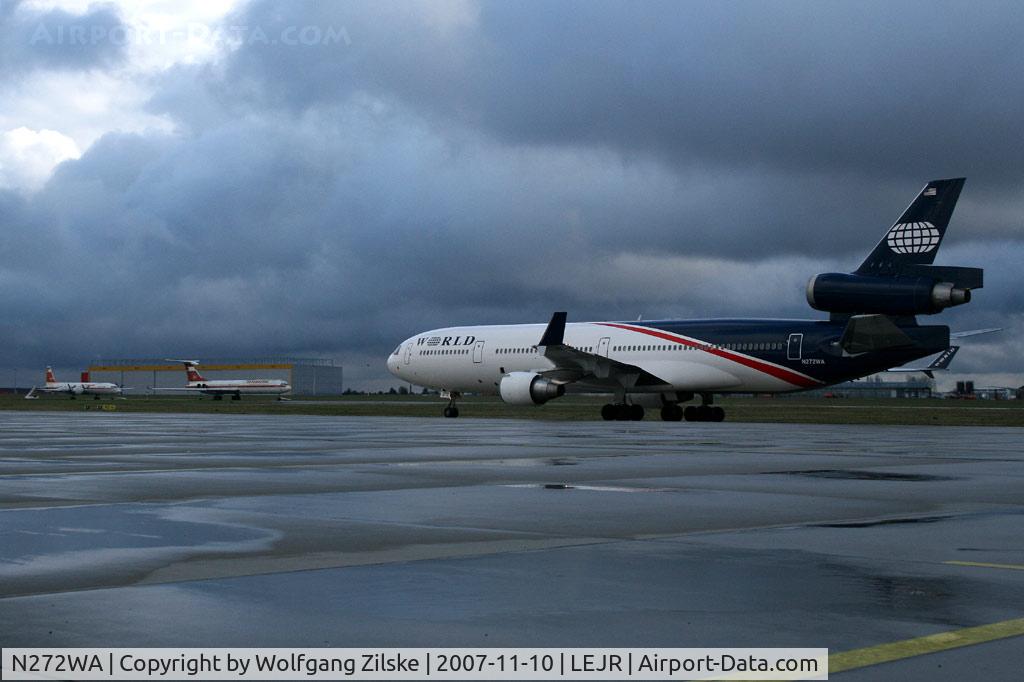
(415, 664)
(83, 34)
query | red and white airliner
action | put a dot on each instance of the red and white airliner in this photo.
(74, 388)
(235, 388)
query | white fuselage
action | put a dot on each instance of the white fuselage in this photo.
(241, 386)
(83, 388)
(474, 359)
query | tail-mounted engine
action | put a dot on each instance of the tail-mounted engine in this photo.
(917, 290)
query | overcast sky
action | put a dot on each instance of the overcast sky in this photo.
(227, 178)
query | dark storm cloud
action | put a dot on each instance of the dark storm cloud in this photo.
(825, 106)
(899, 85)
(480, 164)
(57, 39)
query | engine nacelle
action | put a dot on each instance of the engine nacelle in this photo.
(842, 293)
(78, 390)
(527, 388)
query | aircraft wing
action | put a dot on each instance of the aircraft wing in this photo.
(973, 332)
(573, 364)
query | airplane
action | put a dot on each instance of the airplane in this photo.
(872, 326)
(75, 388)
(219, 388)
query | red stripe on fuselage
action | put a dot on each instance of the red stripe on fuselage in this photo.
(778, 372)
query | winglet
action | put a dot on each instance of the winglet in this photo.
(942, 362)
(939, 364)
(555, 333)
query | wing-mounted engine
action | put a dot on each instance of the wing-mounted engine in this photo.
(528, 388)
(77, 389)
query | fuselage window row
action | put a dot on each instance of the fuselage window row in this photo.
(681, 347)
(627, 349)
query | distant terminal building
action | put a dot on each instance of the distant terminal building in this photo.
(876, 387)
(308, 376)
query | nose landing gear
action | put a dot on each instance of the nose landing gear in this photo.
(451, 412)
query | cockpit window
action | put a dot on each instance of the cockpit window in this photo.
(397, 351)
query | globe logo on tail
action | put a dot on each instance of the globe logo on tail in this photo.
(913, 238)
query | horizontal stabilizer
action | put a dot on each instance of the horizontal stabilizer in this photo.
(866, 333)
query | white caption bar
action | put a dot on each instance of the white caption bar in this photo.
(414, 664)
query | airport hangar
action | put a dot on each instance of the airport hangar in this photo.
(308, 376)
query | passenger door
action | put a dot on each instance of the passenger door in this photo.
(602, 346)
(795, 349)
(478, 352)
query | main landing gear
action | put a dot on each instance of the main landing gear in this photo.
(670, 412)
(622, 412)
(705, 412)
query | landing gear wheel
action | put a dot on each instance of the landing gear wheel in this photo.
(671, 413)
(690, 413)
(717, 414)
(608, 412)
(636, 413)
(622, 413)
(451, 412)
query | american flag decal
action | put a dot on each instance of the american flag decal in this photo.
(930, 192)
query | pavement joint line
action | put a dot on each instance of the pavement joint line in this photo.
(984, 564)
(919, 646)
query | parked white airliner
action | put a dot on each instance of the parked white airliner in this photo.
(872, 326)
(74, 388)
(219, 388)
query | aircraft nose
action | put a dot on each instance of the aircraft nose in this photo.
(393, 364)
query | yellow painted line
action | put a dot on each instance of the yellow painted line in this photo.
(919, 646)
(982, 564)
